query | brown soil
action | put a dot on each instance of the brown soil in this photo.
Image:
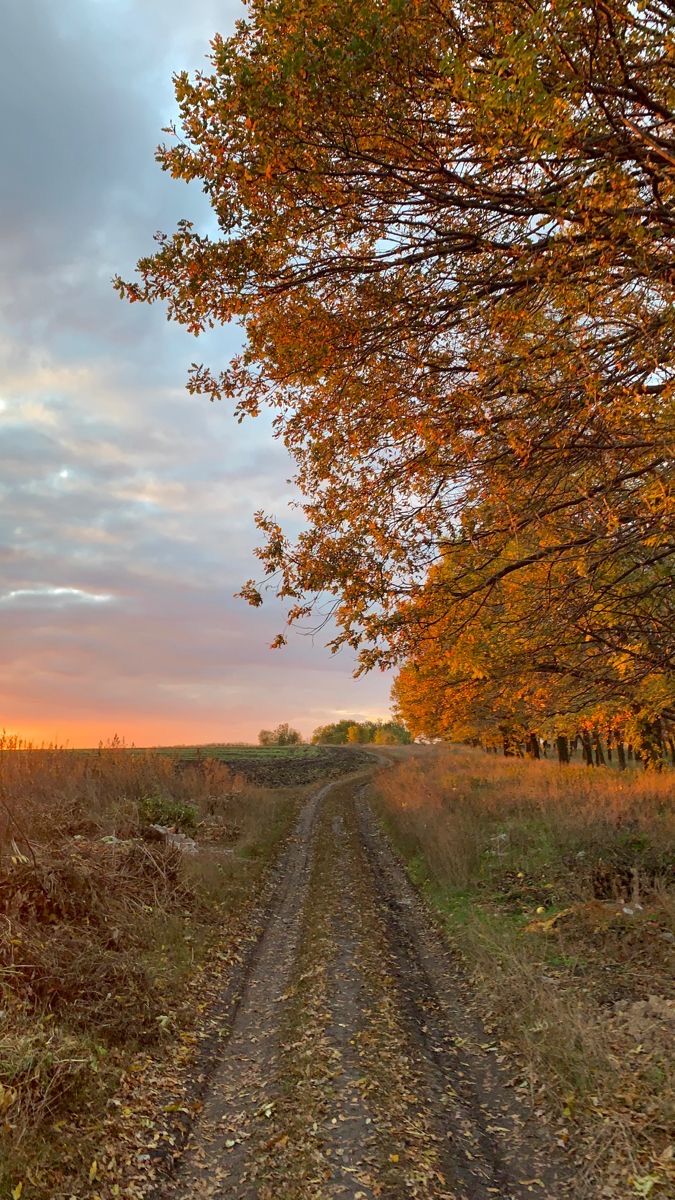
(297, 770)
(355, 1066)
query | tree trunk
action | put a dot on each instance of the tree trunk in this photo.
(563, 749)
(651, 744)
(587, 749)
(599, 756)
(671, 747)
(621, 754)
(630, 751)
(508, 752)
(533, 746)
(609, 745)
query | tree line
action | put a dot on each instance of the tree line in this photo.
(448, 235)
(376, 733)
(341, 733)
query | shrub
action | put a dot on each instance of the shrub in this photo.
(160, 809)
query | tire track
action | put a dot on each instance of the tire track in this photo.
(216, 1160)
(354, 1067)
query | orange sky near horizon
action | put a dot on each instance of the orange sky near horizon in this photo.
(141, 732)
(142, 728)
(138, 731)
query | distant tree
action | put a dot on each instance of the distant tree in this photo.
(385, 737)
(381, 733)
(283, 735)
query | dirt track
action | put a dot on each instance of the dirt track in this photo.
(354, 1067)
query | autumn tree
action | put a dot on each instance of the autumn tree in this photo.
(282, 735)
(447, 234)
(525, 666)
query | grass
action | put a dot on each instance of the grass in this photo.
(556, 886)
(103, 928)
(230, 753)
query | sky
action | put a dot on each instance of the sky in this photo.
(126, 513)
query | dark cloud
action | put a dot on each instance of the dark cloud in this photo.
(125, 522)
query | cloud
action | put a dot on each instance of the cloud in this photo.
(126, 505)
(53, 595)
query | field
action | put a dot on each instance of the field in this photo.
(225, 752)
(211, 982)
(273, 766)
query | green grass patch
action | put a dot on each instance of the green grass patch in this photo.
(226, 753)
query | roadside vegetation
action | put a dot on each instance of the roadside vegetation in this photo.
(121, 874)
(557, 887)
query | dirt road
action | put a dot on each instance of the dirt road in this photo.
(354, 1067)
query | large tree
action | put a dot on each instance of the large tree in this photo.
(447, 232)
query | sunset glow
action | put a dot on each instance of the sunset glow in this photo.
(127, 505)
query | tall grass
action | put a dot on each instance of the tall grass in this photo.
(555, 885)
(102, 922)
(472, 817)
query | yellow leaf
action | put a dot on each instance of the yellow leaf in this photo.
(550, 922)
(393, 1158)
(16, 1192)
(643, 1185)
(93, 1171)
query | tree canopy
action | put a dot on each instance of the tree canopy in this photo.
(447, 232)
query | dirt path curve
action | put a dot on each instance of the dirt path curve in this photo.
(354, 1067)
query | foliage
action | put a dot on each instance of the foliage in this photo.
(164, 810)
(283, 735)
(521, 669)
(379, 733)
(448, 237)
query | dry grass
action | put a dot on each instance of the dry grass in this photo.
(473, 815)
(556, 885)
(101, 926)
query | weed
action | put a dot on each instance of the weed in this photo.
(165, 810)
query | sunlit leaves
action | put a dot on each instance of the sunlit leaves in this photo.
(448, 236)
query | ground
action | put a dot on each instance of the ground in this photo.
(279, 766)
(363, 973)
(354, 1063)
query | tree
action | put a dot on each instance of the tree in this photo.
(522, 668)
(448, 237)
(283, 735)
